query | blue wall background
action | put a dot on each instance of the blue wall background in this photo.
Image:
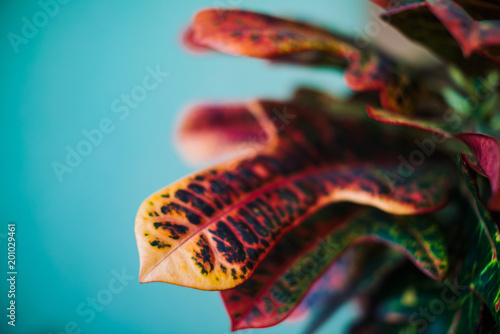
(76, 232)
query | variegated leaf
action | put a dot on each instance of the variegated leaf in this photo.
(251, 34)
(459, 31)
(211, 230)
(303, 254)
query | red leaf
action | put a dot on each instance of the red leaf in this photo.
(250, 34)
(486, 151)
(472, 35)
(452, 29)
(190, 42)
(222, 131)
(257, 35)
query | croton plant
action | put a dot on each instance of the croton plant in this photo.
(388, 199)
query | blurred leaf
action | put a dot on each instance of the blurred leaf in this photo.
(369, 268)
(461, 31)
(407, 302)
(251, 34)
(221, 130)
(257, 35)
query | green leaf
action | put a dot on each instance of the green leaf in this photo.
(481, 270)
(407, 302)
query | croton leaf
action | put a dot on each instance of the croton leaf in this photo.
(453, 29)
(302, 255)
(483, 152)
(442, 129)
(251, 34)
(486, 152)
(211, 230)
(190, 43)
(481, 269)
(240, 32)
(222, 131)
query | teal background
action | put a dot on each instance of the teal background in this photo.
(72, 235)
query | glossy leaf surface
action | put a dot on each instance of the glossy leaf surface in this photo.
(212, 229)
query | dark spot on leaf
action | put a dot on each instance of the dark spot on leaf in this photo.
(247, 216)
(193, 218)
(255, 37)
(153, 214)
(252, 254)
(244, 230)
(159, 244)
(228, 244)
(203, 257)
(196, 188)
(175, 229)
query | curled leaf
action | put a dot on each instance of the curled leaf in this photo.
(257, 35)
(486, 151)
(222, 131)
(246, 33)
